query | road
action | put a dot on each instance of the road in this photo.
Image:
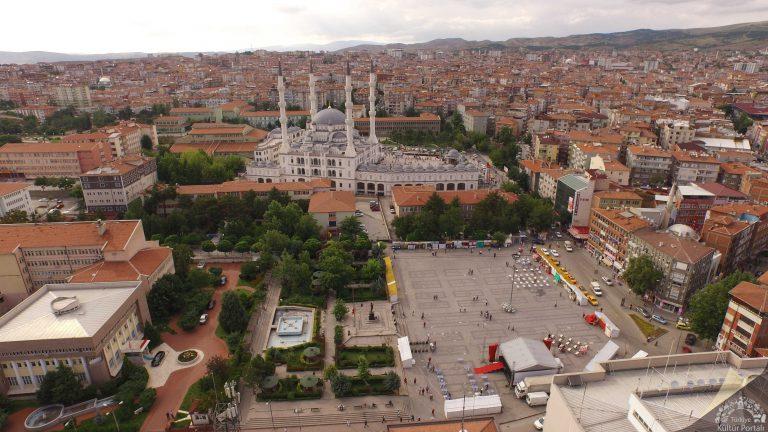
(585, 269)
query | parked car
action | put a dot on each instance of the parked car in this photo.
(539, 423)
(358, 213)
(554, 253)
(642, 311)
(203, 318)
(596, 288)
(558, 235)
(690, 339)
(659, 319)
(201, 265)
(392, 209)
(683, 323)
(568, 246)
(544, 251)
(211, 304)
(223, 281)
(592, 300)
(158, 358)
(608, 281)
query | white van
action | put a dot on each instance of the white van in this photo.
(568, 246)
(536, 399)
(596, 288)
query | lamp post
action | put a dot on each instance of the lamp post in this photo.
(271, 416)
(114, 416)
(72, 422)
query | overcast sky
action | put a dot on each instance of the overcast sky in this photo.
(87, 26)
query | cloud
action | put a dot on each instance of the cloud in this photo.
(172, 25)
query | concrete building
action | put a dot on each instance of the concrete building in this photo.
(78, 96)
(474, 120)
(674, 132)
(547, 181)
(265, 119)
(731, 237)
(330, 208)
(688, 205)
(614, 170)
(111, 187)
(616, 199)
(609, 232)
(657, 394)
(694, 167)
(14, 196)
(53, 159)
(648, 165)
(687, 265)
(744, 331)
(732, 174)
(193, 114)
(545, 147)
(171, 126)
(574, 198)
(580, 156)
(88, 327)
(411, 199)
(32, 255)
(385, 126)
(755, 214)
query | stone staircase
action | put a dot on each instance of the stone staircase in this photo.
(318, 419)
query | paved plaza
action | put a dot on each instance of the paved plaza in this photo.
(443, 287)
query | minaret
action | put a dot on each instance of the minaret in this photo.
(312, 94)
(372, 110)
(285, 145)
(350, 150)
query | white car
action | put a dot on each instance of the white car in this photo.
(539, 423)
(544, 251)
(203, 318)
(607, 280)
(201, 265)
(554, 253)
(558, 235)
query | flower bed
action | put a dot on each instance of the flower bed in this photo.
(187, 356)
(290, 389)
(294, 359)
(377, 356)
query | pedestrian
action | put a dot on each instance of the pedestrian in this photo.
(349, 424)
(405, 380)
(486, 302)
(383, 420)
(401, 418)
(425, 324)
(365, 423)
(494, 254)
(433, 412)
(422, 315)
(414, 380)
(412, 417)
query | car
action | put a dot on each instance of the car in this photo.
(203, 318)
(358, 213)
(592, 300)
(43, 200)
(59, 206)
(375, 208)
(201, 265)
(683, 323)
(539, 423)
(554, 253)
(373, 202)
(223, 280)
(59, 201)
(690, 339)
(642, 311)
(607, 280)
(544, 251)
(158, 358)
(596, 288)
(558, 235)
(659, 319)
(211, 304)
(392, 209)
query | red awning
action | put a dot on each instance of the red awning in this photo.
(491, 367)
(581, 233)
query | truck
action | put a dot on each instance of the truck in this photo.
(536, 399)
(532, 384)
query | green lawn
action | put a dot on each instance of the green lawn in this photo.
(194, 393)
(289, 389)
(378, 356)
(648, 329)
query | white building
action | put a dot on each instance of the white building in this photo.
(111, 187)
(15, 196)
(673, 132)
(330, 147)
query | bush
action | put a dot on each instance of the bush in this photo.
(189, 321)
(233, 317)
(338, 335)
(216, 271)
(249, 270)
(153, 334)
(377, 356)
(340, 310)
(147, 398)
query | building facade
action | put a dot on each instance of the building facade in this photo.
(648, 165)
(111, 187)
(609, 232)
(14, 196)
(744, 331)
(53, 159)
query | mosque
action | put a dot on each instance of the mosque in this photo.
(330, 147)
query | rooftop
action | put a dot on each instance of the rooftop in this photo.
(34, 318)
(67, 234)
(332, 201)
(11, 187)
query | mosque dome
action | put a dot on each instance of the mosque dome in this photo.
(683, 231)
(330, 116)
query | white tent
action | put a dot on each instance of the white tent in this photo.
(606, 353)
(472, 406)
(406, 357)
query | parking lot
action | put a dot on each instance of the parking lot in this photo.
(372, 220)
(457, 322)
(43, 202)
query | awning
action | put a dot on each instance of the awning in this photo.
(581, 233)
(491, 367)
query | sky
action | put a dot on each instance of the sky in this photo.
(87, 26)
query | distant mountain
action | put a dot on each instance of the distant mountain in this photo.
(332, 46)
(26, 57)
(737, 36)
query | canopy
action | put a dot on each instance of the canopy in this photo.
(491, 367)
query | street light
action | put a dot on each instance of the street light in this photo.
(72, 422)
(114, 416)
(270, 415)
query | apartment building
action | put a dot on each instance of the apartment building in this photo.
(50, 159)
(732, 174)
(688, 205)
(743, 331)
(614, 170)
(385, 126)
(674, 132)
(474, 119)
(547, 183)
(14, 196)
(694, 166)
(616, 199)
(574, 197)
(40, 112)
(171, 126)
(111, 187)
(123, 139)
(89, 327)
(411, 199)
(545, 147)
(78, 96)
(752, 213)
(687, 265)
(755, 187)
(609, 231)
(731, 237)
(581, 155)
(32, 255)
(648, 165)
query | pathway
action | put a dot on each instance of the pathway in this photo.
(258, 326)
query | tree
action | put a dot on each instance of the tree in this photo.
(60, 386)
(182, 259)
(340, 310)
(54, 216)
(371, 270)
(14, 217)
(199, 278)
(642, 274)
(225, 246)
(340, 385)
(146, 142)
(208, 246)
(242, 246)
(708, 305)
(391, 381)
(330, 371)
(152, 334)
(363, 369)
(249, 270)
(257, 370)
(336, 269)
(350, 227)
(338, 334)
(233, 317)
